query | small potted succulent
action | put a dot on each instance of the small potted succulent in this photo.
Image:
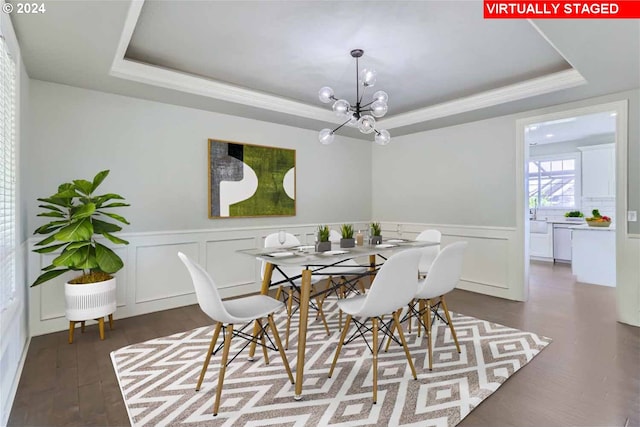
(347, 240)
(323, 244)
(375, 233)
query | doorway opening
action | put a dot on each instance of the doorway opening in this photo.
(570, 169)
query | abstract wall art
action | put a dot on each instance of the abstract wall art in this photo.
(248, 180)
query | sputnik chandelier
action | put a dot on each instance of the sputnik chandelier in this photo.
(361, 116)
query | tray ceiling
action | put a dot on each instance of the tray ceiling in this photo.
(440, 61)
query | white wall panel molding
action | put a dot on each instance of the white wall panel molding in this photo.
(153, 277)
(488, 259)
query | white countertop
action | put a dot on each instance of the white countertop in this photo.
(612, 227)
(581, 221)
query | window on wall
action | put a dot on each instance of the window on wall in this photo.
(7, 174)
(554, 182)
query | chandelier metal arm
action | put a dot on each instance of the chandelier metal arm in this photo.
(338, 128)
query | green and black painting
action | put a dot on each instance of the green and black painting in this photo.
(251, 180)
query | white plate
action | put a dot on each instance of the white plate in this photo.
(396, 241)
(329, 253)
(280, 254)
(384, 245)
(305, 248)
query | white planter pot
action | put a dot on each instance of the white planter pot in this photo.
(90, 301)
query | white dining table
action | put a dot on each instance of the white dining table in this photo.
(313, 263)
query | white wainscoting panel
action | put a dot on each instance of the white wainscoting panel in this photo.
(227, 266)
(153, 277)
(159, 272)
(489, 258)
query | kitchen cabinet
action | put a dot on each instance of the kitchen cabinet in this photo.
(594, 255)
(540, 240)
(598, 170)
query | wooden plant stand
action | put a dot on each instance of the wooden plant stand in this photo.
(72, 327)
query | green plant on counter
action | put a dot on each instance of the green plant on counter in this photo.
(78, 216)
(574, 214)
(347, 231)
(375, 229)
(323, 233)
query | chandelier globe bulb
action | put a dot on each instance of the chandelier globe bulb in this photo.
(326, 136)
(382, 137)
(381, 96)
(341, 108)
(368, 77)
(367, 124)
(325, 94)
(379, 108)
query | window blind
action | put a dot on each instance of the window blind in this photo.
(7, 175)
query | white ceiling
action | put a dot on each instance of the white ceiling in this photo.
(440, 61)
(423, 51)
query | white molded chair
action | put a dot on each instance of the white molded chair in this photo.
(430, 253)
(349, 274)
(394, 287)
(443, 277)
(281, 273)
(241, 311)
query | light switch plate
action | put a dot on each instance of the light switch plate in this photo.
(632, 216)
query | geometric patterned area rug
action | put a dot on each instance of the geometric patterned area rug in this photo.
(158, 378)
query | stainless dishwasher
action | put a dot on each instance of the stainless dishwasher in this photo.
(562, 242)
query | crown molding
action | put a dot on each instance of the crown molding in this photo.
(162, 77)
(170, 79)
(538, 86)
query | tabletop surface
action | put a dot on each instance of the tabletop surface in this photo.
(305, 254)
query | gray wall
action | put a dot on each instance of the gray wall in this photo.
(465, 174)
(157, 154)
(461, 175)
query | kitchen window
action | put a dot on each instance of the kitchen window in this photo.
(554, 181)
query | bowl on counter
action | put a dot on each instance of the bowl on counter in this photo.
(598, 223)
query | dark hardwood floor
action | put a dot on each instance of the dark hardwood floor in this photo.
(588, 376)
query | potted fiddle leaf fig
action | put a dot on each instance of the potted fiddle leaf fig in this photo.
(79, 217)
(323, 244)
(347, 240)
(376, 233)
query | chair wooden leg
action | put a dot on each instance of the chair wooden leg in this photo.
(427, 335)
(223, 367)
(321, 314)
(279, 293)
(111, 322)
(264, 343)
(420, 310)
(412, 304)
(276, 336)
(289, 311)
(362, 288)
(375, 359)
(214, 339)
(453, 331)
(101, 327)
(341, 296)
(343, 336)
(404, 345)
(393, 327)
(72, 327)
(82, 326)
